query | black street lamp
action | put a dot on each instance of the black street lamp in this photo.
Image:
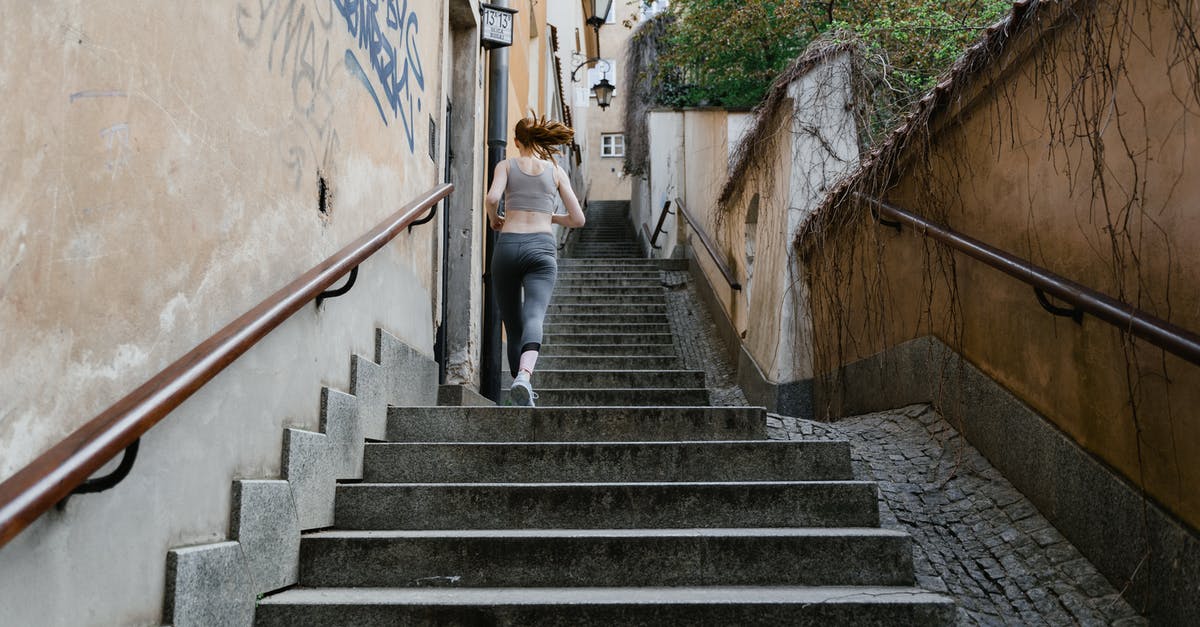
(596, 19)
(599, 16)
(604, 92)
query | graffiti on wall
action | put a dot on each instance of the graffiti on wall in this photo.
(296, 35)
(394, 59)
(302, 38)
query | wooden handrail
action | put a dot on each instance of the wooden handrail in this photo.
(1163, 334)
(54, 474)
(708, 245)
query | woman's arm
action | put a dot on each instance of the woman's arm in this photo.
(574, 217)
(491, 202)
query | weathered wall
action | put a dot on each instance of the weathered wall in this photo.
(1018, 174)
(815, 143)
(665, 180)
(161, 168)
(606, 178)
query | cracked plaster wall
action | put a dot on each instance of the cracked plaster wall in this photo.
(161, 167)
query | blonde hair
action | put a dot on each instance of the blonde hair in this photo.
(542, 135)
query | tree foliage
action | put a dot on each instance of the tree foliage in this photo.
(726, 52)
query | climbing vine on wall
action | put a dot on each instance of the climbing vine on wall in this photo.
(726, 52)
(1080, 58)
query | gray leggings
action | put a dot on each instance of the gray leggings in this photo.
(523, 260)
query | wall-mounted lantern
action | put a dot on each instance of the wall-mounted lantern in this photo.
(496, 25)
(597, 18)
(599, 15)
(604, 92)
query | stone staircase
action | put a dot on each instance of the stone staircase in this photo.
(623, 499)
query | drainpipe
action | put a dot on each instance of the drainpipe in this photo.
(491, 352)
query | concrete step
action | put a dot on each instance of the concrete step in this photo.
(574, 424)
(616, 362)
(609, 350)
(608, 338)
(619, 397)
(613, 299)
(708, 606)
(600, 462)
(413, 506)
(603, 291)
(578, 272)
(612, 254)
(593, 318)
(618, 378)
(607, 557)
(573, 283)
(636, 309)
(606, 250)
(603, 267)
(619, 264)
(556, 328)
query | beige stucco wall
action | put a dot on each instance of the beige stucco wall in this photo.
(997, 173)
(605, 175)
(161, 165)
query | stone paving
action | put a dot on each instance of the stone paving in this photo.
(975, 537)
(697, 340)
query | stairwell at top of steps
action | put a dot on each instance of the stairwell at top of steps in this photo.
(625, 498)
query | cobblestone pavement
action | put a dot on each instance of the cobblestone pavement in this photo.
(975, 537)
(697, 340)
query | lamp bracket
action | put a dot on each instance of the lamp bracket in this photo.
(607, 66)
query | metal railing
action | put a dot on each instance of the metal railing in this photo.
(662, 220)
(1083, 300)
(53, 476)
(708, 245)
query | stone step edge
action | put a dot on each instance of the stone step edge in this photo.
(689, 595)
(616, 534)
(558, 485)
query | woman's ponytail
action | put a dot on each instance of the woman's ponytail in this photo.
(543, 135)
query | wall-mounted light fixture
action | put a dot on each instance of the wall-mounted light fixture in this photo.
(597, 18)
(602, 90)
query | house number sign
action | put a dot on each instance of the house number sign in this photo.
(497, 25)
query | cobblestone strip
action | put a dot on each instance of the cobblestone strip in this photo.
(697, 340)
(975, 537)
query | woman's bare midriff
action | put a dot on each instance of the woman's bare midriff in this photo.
(520, 221)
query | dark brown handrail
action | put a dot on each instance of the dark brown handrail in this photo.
(708, 245)
(48, 479)
(1163, 334)
(662, 219)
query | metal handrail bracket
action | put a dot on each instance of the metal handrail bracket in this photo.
(662, 218)
(52, 476)
(1169, 337)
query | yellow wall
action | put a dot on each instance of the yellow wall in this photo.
(161, 165)
(998, 173)
(605, 175)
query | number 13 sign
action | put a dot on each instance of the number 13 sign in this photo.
(496, 25)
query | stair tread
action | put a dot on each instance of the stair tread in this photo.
(605, 484)
(614, 595)
(551, 534)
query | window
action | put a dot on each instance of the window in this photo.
(612, 145)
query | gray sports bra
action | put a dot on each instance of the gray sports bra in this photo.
(530, 193)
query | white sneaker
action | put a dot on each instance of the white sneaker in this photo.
(521, 393)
